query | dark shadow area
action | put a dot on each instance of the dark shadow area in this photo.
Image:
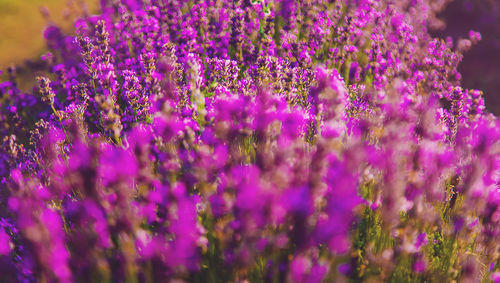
(480, 67)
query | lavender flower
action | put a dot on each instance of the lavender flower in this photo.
(304, 141)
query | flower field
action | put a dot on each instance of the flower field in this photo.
(249, 141)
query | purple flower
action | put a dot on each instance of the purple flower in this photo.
(4, 243)
(247, 140)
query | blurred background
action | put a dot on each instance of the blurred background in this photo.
(22, 23)
(480, 67)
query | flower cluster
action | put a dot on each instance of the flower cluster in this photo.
(236, 141)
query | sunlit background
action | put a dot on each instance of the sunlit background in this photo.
(22, 23)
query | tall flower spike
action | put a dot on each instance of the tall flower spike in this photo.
(103, 41)
(86, 48)
(45, 90)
